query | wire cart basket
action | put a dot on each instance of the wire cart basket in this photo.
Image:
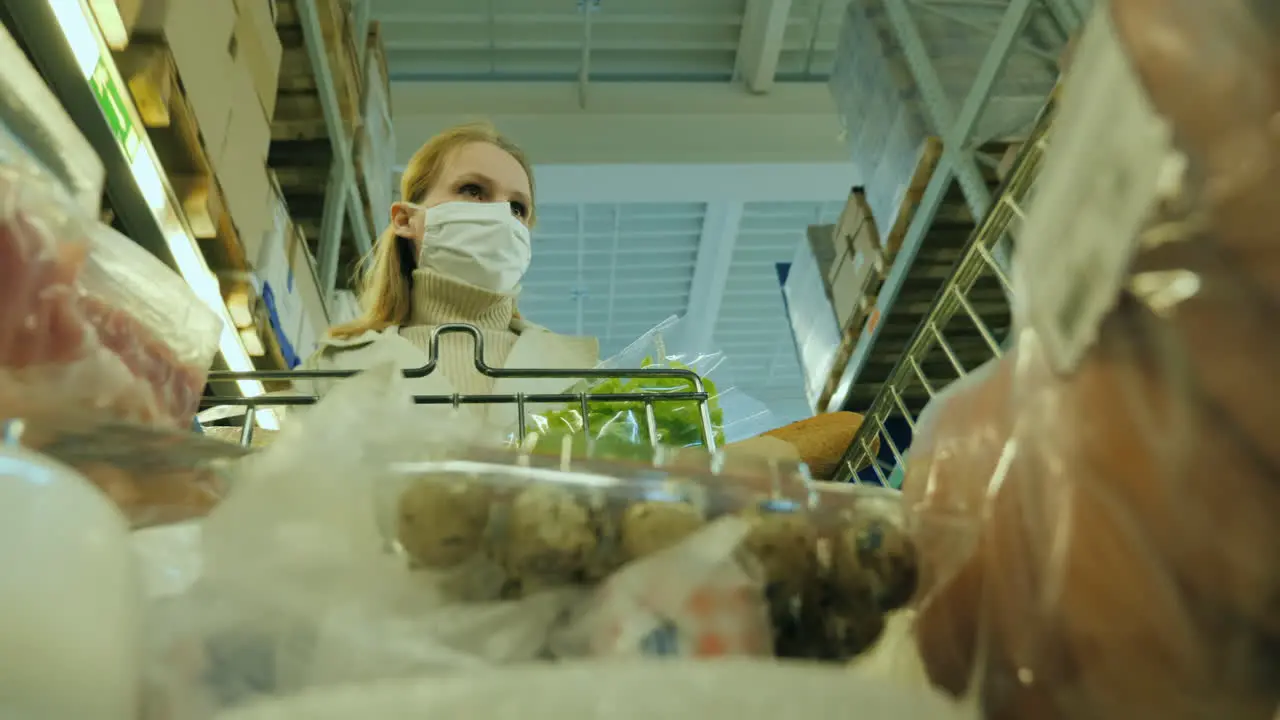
(978, 260)
(697, 392)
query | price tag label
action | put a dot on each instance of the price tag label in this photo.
(1102, 176)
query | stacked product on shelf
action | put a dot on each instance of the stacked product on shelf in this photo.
(220, 86)
(809, 310)
(888, 131)
(834, 277)
(303, 142)
(203, 77)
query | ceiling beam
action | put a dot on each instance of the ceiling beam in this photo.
(764, 27)
(711, 269)
(660, 123)
(675, 183)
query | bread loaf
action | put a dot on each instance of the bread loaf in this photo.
(822, 440)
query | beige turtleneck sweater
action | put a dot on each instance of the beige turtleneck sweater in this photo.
(438, 300)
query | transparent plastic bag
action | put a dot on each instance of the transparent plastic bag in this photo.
(675, 690)
(621, 429)
(355, 548)
(1096, 512)
(156, 476)
(697, 598)
(92, 323)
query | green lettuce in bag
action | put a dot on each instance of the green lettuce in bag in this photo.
(619, 429)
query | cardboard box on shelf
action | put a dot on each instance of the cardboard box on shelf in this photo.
(855, 277)
(822, 249)
(308, 340)
(257, 45)
(272, 267)
(241, 165)
(199, 34)
(855, 215)
(283, 306)
(306, 281)
(117, 19)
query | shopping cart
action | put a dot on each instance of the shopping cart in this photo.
(952, 309)
(584, 399)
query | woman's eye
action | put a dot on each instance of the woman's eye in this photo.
(471, 190)
(519, 210)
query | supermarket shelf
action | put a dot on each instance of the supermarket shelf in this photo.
(67, 48)
(962, 164)
(316, 169)
(955, 335)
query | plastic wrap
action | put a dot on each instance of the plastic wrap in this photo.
(620, 429)
(1096, 512)
(356, 549)
(91, 322)
(679, 690)
(155, 476)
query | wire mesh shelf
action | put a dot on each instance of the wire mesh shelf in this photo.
(953, 312)
(584, 399)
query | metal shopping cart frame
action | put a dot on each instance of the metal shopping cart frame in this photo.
(977, 259)
(698, 393)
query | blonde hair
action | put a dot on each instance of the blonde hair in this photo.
(384, 282)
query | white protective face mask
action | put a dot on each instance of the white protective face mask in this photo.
(479, 243)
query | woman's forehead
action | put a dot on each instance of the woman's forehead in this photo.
(490, 161)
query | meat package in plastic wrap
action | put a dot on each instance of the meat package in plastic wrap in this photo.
(90, 321)
(1096, 510)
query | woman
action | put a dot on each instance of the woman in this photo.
(455, 252)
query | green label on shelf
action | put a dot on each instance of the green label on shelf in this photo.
(113, 107)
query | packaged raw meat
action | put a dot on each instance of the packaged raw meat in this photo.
(90, 321)
(1096, 512)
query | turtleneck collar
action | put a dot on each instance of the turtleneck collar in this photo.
(439, 299)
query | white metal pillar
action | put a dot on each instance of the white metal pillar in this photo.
(764, 26)
(342, 195)
(711, 270)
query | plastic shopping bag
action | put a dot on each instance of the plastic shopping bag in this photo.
(1096, 511)
(687, 689)
(698, 598)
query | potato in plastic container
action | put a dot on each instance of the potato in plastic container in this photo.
(363, 545)
(90, 321)
(546, 521)
(1122, 560)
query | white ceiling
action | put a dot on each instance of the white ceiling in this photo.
(666, 186)
(644, 40)
(616, 270)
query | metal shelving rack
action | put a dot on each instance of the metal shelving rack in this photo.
(342, 201)
(961, 161)
(897, 396)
